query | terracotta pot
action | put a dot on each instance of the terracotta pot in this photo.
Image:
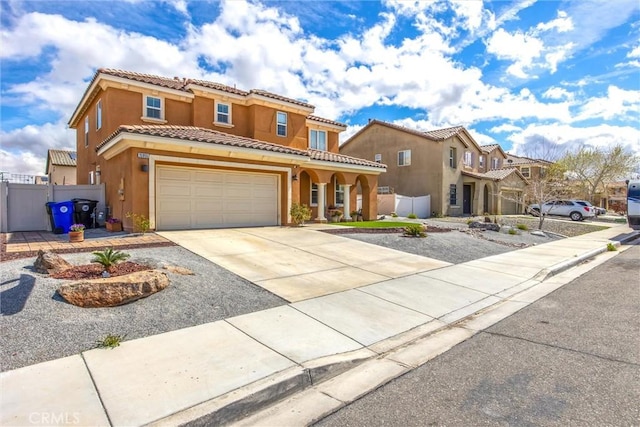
(116, 226)
(76, 236)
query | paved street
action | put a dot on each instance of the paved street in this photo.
(571, 358)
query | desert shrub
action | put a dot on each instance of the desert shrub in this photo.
(522, 227)
(300, 213)
(512, 231)
(415, 230)
(141, 223)
(611, 247)
(412, 216)
(110, 341)
(394, 215)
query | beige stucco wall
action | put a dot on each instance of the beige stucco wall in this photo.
(62, 175)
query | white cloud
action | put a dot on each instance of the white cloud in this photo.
(634, 53)
(618, 103)
(561, 24)
(518, 47)
(557, 93)
(570, 137)
(505, 128)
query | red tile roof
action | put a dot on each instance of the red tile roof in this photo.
(489, 147)
(327, 121)
(442, 134)
(217, 86)
(521, 160)
(494, 174)
(280, 98)
(192, 133)
(174, 83)
(62, 158)
(341, 158)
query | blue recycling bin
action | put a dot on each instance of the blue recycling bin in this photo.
(61, 215)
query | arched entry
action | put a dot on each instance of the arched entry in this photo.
(485, 199)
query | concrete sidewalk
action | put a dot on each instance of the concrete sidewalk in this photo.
(220, 371)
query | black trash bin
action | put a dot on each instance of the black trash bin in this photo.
(84, 210)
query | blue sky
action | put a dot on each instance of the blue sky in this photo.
(515, 73)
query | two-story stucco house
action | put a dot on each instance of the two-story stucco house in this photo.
(189, 153)
(462, 177)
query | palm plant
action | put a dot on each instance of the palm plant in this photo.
(108, 258)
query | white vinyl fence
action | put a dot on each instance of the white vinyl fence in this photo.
(22, 206)
(404, 205)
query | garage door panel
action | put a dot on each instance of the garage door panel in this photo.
(202, 198)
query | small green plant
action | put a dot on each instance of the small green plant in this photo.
(436, 215)
(394, 215)
(522, 227)
(415, 230)
(141, 223)
(512, 231)
(110, 341)
(108, 258)
(412, 216)
(300, 213)
(611, 247)
(469, 221)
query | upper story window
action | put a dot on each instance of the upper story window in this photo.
(377, 158)
(223, 113)
(86, 131)
(525, 172)
(318, 140)
(404, 158)
(495, 163)
(481, 161)
(281, 123)
(468, 158)
(153, 107)
(453, 158)
(99, 115)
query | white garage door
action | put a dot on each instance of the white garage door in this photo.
(510, 204)
(205, 198)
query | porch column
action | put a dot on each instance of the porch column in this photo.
(477, 198)
(321, 191)
(347, 202)
(499, 203)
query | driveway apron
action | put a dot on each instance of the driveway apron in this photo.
(300, 263)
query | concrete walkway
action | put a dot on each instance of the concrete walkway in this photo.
(219, 371)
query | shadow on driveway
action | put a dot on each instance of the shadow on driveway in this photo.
(13, 300)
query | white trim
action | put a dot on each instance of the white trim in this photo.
(211, 91)
(290, 106)
(344, 167)
(193, 163)
(327, 126)
(99, 114)
(404, 158)
(229, 114)
(145, 117)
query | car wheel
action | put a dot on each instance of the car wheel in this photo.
(575, 216)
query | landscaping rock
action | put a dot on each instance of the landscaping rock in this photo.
(113, 291)
(539, 233)
(179, 270)
(485, 226)
(49, 262)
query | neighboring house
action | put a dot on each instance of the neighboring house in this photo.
(61, 167)
(446, 164)
(614, 197)
(196, 154)
(528, 167)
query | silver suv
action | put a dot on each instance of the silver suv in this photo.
(577, 210)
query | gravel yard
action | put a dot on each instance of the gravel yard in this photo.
(37, 325)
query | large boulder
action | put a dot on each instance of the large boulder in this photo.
(484, 226)
(113, 291)
(49, 262)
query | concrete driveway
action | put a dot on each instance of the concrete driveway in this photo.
(300, 263)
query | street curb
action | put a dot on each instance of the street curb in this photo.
(565, 265)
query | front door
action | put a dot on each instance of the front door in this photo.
(466, 199)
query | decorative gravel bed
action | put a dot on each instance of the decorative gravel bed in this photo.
(562, 227)
(37, 325)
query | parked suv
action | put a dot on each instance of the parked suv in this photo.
(577, 210)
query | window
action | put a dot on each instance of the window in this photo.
(318, 140)
(468, 158)
(339, 190)
(453, 158)
(86, 131)
(453, 195)
(495, 163)
(92, 180)
(314, 194)
(481, 161)
(99, 115)
(281, 123)
(153, 108)
(223, 113)
(404, 158)
(378, 158)
(525, 172)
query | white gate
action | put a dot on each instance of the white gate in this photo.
(404, 205)
(22, 206)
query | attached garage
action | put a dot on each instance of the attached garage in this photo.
(510, 205)
(192, 198)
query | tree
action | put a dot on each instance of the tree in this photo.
(591, 168)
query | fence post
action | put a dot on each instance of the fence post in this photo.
(3, 206)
